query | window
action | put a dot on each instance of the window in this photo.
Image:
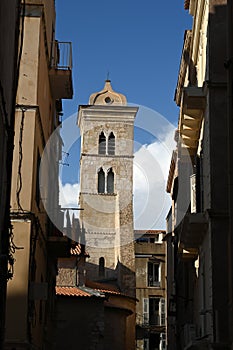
(154, 315)
(153, 274)
(105, 181)
(101, 181)
(154, 311)
(101, 267)
(107, 146)
(111, 144)
(102, 143)
(110, 181)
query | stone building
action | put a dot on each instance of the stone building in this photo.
(106, 191)
(199, 288)
(96, 312)
(44, 79)
(9, 63)
(150, 258)
(106, 186)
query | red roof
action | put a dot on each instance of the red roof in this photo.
(72, 292)
(76, 249)
(103, 287)
(149, 231)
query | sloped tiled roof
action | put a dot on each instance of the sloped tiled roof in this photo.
(78, 292)
(103, 287)
(76, 249)
(149, 231)
(72, 292)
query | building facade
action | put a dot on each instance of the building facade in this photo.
(9, 62)
(97, 312)
(199, 288)
(43, 81)
(150, 259)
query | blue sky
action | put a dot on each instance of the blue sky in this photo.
(139, 44)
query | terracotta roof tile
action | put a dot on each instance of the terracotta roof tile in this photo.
(103, 287)
(76, 249)
(72, 292)
(149, 231)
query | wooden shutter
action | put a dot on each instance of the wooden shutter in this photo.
(145, 310)
(162, 311)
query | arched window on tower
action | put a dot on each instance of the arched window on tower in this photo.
(111, 144)
(102, 143)
(110, 181)
(101, 181)
(101, 267)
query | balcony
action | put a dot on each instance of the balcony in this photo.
(192, 231)
(60, 73)
(192, 112)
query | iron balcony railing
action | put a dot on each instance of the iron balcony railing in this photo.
(61, 55)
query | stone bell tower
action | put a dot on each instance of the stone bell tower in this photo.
(106, 186)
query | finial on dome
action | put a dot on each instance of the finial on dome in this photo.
(107, 96)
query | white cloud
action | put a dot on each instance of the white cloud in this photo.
(69, 195)
(151, 166)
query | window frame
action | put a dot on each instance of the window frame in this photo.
(153, 282)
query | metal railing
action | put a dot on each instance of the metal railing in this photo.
(61, 55)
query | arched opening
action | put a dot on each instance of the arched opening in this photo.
(101, 267)
(110, 181)
(111, 144)
(101, 181)
(102, 143)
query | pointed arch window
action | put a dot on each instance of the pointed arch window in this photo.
(102, 143)
(101, 181)
(110, 181)
(111, 144)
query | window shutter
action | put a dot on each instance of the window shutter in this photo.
(146, 344)
(193, 193)
(145, 310)
(162, 311)
(163, 342)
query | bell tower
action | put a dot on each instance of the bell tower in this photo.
(106, 186)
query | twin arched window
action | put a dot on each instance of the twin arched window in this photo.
(107, 145)
(105, 181)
